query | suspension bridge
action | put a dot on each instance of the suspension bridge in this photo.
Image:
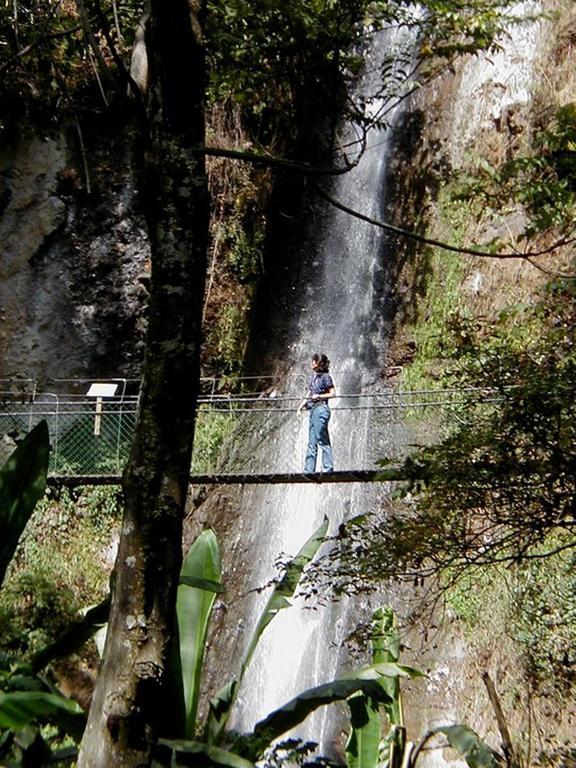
(242, 436)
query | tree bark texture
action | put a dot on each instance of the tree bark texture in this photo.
(125, 716)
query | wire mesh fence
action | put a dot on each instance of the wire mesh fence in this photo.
(246, 435)
(235, 434)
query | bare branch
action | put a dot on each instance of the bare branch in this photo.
(528, 256)
(42, 37)
(274, 162)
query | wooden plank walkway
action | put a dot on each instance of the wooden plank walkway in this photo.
(287, 478)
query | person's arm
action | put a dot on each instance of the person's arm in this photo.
(303, 403)
(331, 392)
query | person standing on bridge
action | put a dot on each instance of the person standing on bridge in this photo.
(320, 390)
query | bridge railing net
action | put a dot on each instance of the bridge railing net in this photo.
(263, 435)
(85, 438)
(236, 434)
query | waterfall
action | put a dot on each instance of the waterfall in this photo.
(341, 316)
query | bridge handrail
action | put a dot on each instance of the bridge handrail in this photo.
(385, 399)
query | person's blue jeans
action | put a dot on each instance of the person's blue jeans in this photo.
(318, 436)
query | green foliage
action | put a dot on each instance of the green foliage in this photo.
(276, 58)
(543, 621)
(47, 70)
(503, 479)
(58, 568)
(244, 251)
(193, 753)
(282, 592)
(541, 182)
(500, 487)
(199, 583)
(377, 683)
(467, 743)
(22, 484)
(363, 749)
(232, 333)
(210, 431)
(81, 452)
(38, 725)
(285, 589)
(452, 28)
(288, 64)
(19, 708)
(295, 711)
(442, 275)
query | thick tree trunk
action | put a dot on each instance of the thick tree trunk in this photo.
(125, 716)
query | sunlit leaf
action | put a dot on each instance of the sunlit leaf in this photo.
(22, 484)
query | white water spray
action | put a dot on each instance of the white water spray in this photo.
(342, 316)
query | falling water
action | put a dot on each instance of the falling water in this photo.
(341, 316)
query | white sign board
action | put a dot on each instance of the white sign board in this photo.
(102, 390)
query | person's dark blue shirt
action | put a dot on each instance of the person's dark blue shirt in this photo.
(319, 384)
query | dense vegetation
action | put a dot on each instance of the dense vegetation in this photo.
(501, 487)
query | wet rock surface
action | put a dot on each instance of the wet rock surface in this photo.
(73, 258)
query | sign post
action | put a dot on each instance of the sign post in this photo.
(99, 391)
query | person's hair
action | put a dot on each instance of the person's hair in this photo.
(323, 363)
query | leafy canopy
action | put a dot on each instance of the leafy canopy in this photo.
(501, 486)
(286, 62)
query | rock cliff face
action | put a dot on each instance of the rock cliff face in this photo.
(488, 108)
(73, 260)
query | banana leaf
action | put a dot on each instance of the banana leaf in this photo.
(220, 705)
(468, 744)
(193, 753)
(22, 484)
(202, 568)
(20, 708)
(284, 590)
(384, 670)
(362, 747)
(386, 649)
(295, 711)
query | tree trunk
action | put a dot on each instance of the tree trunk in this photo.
(125, 716)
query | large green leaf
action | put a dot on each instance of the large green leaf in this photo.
(280, 598)
(20, 708)
(467, 743)
(386, 650)
(384, 670)
(219, 710)
(284, 590)
(22, 484)
(362, 747)
(193, 607)
(296, 710)
(193, 753)
(475, 751)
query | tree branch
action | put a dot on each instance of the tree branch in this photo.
(42, 37)
(309, 170)
(274, 162)
(528, 256)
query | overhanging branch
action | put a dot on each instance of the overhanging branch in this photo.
(527, 256)
(310, 170)
(274, 162)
